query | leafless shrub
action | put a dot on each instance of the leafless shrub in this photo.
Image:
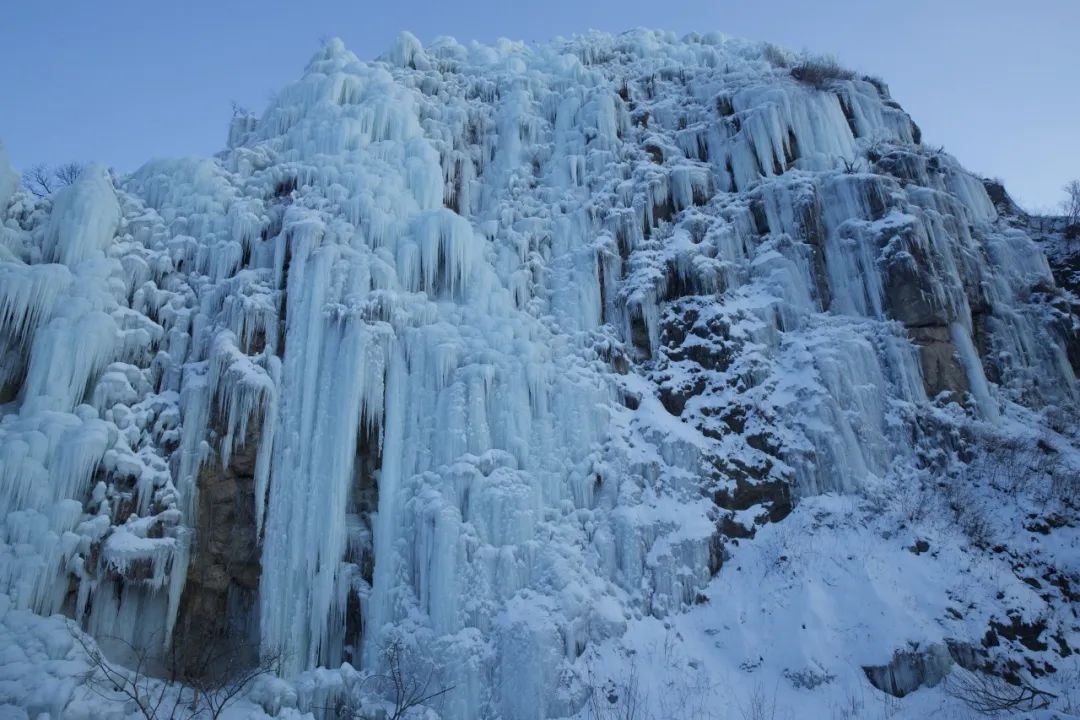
(1070, 684)
(965, 497)
(879, 85)
(759, 705)
(999, 468)
(1008, 466)
(854, 706)
(978, 527)
(219, 676)
(776, 56)
(971, 517)
(199, 687)
(1025, 465)
(1065, 488)
(819, 72)
(782, 550)
(989, 694)
(619, 700)
(853, 166)
(877, 150)
(688, 694)
(912, 501)
(409, 682)
(155, 699)
(850, 708)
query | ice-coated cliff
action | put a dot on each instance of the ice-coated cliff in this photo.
(510, 352)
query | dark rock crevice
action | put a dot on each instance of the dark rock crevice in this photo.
(219, 605)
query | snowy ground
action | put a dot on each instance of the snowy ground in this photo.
(796, 613)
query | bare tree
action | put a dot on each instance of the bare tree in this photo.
(156, 699)
(406, 689)
(68, 173)
(218, 674)
(989, 694)
(1071, 204)
(39, 180)
(202, 686)
(42, 180)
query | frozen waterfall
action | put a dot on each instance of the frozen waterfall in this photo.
(485, 337)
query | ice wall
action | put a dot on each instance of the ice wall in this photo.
(91, 525)
(518, 331)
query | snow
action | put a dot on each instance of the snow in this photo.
(833, 587)
(508, 323)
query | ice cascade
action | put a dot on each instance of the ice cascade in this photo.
(490, 343)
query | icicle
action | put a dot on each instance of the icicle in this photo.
(332, 375)
(241, 389)
(424, 279)
(59, 378)
(84, 218)
(973, 368)
(28, 295)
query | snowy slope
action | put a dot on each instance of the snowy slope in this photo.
(618, 367)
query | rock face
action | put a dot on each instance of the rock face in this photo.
(939, 359)
(496, 351)
(216, 618)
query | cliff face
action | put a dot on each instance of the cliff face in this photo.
(514, 355)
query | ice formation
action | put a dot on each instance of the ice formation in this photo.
(501, 326)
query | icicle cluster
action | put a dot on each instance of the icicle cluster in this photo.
(506, 324)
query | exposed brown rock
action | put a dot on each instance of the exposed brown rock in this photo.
(218, 607)
(909, 290)
(941, 368)
(774, 497)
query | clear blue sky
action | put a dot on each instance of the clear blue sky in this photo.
(997, 82)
